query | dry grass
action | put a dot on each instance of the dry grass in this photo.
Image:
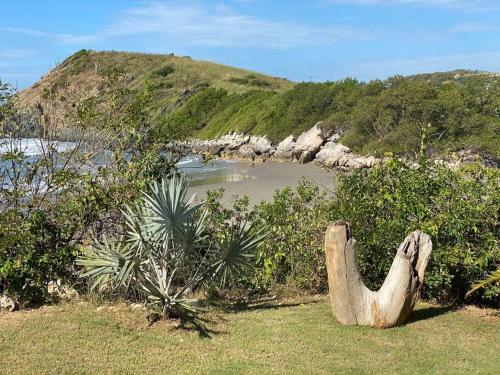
(83, 75)
(269, 338)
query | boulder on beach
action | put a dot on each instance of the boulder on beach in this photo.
(232, 141)
(257, 147)
(330, 154)
(355, 161)
(334, 154)
(260, 145)
(309, 143)
(285, 148)
(245, 152)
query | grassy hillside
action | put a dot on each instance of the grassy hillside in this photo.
(170, 77)
(299, 337)
(202, 99)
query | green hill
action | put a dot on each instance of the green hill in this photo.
(206, 100)
(172, 78)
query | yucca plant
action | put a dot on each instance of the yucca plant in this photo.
(167, 248)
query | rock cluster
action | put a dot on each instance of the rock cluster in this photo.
(312, 145)
(334, 155)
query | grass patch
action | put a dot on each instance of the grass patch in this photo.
(296, 337)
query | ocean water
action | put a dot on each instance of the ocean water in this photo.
(198, 171)
(33, 146)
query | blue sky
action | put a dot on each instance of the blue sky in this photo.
(302, 40)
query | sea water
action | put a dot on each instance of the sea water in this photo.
(199, 171)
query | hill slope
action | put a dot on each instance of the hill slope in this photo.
(206, 100)
(170, 77)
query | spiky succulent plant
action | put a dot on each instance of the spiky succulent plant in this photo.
(167, 249)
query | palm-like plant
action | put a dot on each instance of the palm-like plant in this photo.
(167, 248)
(494, 277)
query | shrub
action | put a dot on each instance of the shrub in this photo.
(36, 249)
(55, 200)
(458, 209)
(251, 80)
(164, 71)
(293, 252)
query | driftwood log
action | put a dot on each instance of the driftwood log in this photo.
(352, 302)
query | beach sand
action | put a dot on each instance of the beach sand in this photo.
(260, 180)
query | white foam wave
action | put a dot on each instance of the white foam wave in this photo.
(32, 146)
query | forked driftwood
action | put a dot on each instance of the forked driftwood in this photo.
(352, 302)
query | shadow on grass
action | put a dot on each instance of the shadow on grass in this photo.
(200, 325)
(429, 312)
(261, 304)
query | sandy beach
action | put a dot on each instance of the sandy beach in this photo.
(259, 180)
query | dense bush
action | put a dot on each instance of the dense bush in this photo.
(164, 71)
(458, 209)
(251, 80)
(193, 115)
(39, 246)
(293, 252)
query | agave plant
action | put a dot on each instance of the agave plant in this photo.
(167, 249)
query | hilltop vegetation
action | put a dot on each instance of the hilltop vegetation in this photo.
(170, 78)
(200, 99)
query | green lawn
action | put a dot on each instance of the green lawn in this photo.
(288, 338)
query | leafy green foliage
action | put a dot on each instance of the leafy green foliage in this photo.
(251, 80)
(458, 209)
(33, 252)
(52, 202)
(194, 114)
(374, 117)
(494, 278)
(293, 252)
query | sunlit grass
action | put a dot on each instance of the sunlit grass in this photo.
(295, 337)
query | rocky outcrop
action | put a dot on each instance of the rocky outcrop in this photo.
(232, 141)
(261, 145)
(330, 154)
(334, 155)
(312, 145)
(285, 148)
(308, 144)
(56, 289)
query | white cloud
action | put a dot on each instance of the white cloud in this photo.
(477, 5)
(474, 27)
(480, 60)
(220, 26)
(217, 26)
(56, 37)
(14, 54)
